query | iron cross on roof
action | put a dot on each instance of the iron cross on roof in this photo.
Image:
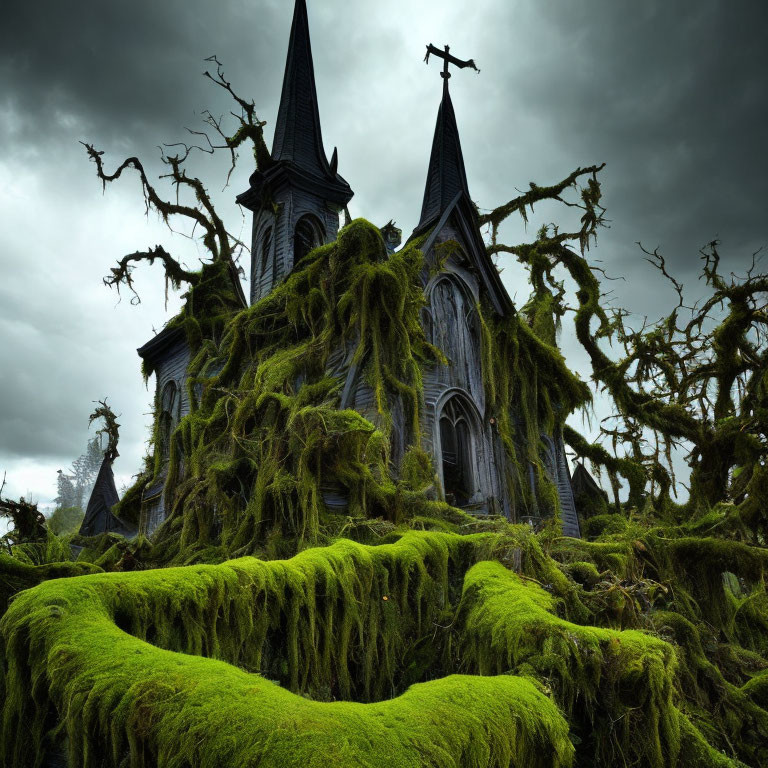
(448, 59)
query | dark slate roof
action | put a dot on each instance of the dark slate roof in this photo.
(446, 196)
(153, 350)
(98, 515)
(446, 177)
(583, 482)
(297, 132)
(297, 150)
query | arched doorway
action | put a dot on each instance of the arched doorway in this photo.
(456, 452)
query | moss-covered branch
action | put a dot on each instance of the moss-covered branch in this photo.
(111, 428)
(695, 383)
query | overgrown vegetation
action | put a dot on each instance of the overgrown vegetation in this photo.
(618, 647)
(401, 631)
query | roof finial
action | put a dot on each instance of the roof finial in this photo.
(448, 59)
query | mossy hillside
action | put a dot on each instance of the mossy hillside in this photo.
(694, 562)
(159, 708)
(332, 622)
(365, 622)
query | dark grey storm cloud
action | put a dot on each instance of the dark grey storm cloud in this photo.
(123, 66)
(673, 98)
(670, 96)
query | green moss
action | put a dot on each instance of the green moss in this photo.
(604, 524)
(331, 621)
(17, 575)
(163, 666)
(530, 392)
(363, 623)
(624, 679)
(266, 437)
(128, 508)
(583, 573)
(757, 690)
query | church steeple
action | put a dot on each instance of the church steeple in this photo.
(298, 138)
(297, 200)
(447, 211)
(298, 141)
(446, 177)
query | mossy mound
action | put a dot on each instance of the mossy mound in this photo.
(316, 620)
(436, 649)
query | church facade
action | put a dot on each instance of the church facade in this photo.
(306, 197)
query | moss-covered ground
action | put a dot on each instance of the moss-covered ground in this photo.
(494, 648)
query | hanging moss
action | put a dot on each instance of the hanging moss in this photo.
(707, 596)
(266, 435)
(623, 679)
(363, 623)
(530, 390)
(128, 508)
(330, 621)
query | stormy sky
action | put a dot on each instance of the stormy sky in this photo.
(671, 96)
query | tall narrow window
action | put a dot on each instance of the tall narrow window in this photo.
(456, 332)
(308, 235)
(266, 248)
(166, 420)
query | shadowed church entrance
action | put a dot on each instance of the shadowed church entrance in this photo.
(456, 450)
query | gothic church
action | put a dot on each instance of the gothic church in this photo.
(310, 197)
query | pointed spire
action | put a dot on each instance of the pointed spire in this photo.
(98, 515)
(446, 176)
(298, 138)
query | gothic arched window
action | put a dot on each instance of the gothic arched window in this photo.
(166, 421)
(456, 451)
(456, 332)
(266, 248)
(308, 234)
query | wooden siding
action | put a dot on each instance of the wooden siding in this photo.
(292, 204)
(171, 368)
